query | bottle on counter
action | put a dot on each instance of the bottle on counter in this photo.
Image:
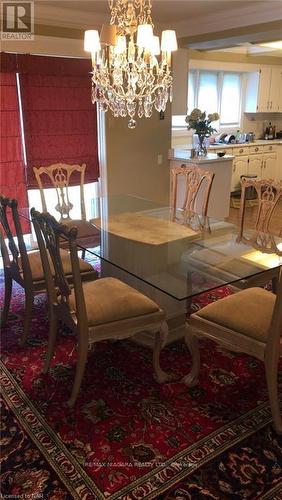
(274, 131)
(237, 137)
(270, 133)
(266, 132)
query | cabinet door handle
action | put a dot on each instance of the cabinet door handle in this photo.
(241, 151)
(256, 149)
(270, 104)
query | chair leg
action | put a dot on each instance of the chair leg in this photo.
(160, 340)
(7, 299)
(271, 372)
(193, 343)
(51, 339)
(80, 368)
(27, 316)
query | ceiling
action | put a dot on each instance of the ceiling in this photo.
(199, 24)
(164, 11)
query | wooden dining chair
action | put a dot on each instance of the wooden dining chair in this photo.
(25, 268)
(263, 237)
(60, 175)
(249, 321)
(103, 309)
(196, 186)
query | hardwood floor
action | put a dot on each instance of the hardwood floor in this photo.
(276, 223)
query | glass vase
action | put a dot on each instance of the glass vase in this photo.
(202, 148)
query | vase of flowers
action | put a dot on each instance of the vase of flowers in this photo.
(201, 123)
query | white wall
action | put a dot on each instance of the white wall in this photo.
(137, 160)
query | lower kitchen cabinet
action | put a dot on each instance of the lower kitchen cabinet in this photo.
(269, 164)
(255, 165)
(266, 164)
(239, 167)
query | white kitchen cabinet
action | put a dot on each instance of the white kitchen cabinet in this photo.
(239, 167)
(269, 166)
(255, 165)
(264, 90)
(275, 90)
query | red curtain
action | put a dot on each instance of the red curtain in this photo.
(12, 178)
(60, 123)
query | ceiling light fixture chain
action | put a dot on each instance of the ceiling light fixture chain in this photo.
(127, 76)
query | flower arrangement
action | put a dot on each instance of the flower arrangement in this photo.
(201, 123)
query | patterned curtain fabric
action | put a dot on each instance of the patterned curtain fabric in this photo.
(12, 176)
(60, 122)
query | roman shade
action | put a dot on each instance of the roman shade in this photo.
(12, 177)
(60, 122)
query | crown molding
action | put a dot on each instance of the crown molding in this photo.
(244, 15)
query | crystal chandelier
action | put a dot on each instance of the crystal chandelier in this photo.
(131, 72)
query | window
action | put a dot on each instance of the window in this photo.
(230, 99)
(206, 94)
(216, 91)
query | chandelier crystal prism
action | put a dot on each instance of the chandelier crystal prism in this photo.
(131, 72)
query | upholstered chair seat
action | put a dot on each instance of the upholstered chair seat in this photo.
(249, 321)
(103, 309)
(84, 228)
(25, 268)
(37, 269)
(248, 312)
(109, 299)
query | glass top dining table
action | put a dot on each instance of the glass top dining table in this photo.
(139, 238)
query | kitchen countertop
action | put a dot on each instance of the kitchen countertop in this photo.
(184, 154)
(261, 142)
(258, 142)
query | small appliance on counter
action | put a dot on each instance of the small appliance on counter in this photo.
(250, 137)
(279, 134)
(229, 139)
(269, 132)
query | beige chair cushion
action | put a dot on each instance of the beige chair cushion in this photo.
(37, 269)
(248, 312)
(84, 228)
(109, 299)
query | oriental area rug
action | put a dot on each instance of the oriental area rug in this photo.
(128, 437)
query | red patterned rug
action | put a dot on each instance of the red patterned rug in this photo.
(129, 437)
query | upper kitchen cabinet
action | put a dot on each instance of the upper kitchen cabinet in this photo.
(264, 91)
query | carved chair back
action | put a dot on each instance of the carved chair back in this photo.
(60, 174)
(49, 234)
(197, 182)
(195, 178)
(269, 193)
(17, 261)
